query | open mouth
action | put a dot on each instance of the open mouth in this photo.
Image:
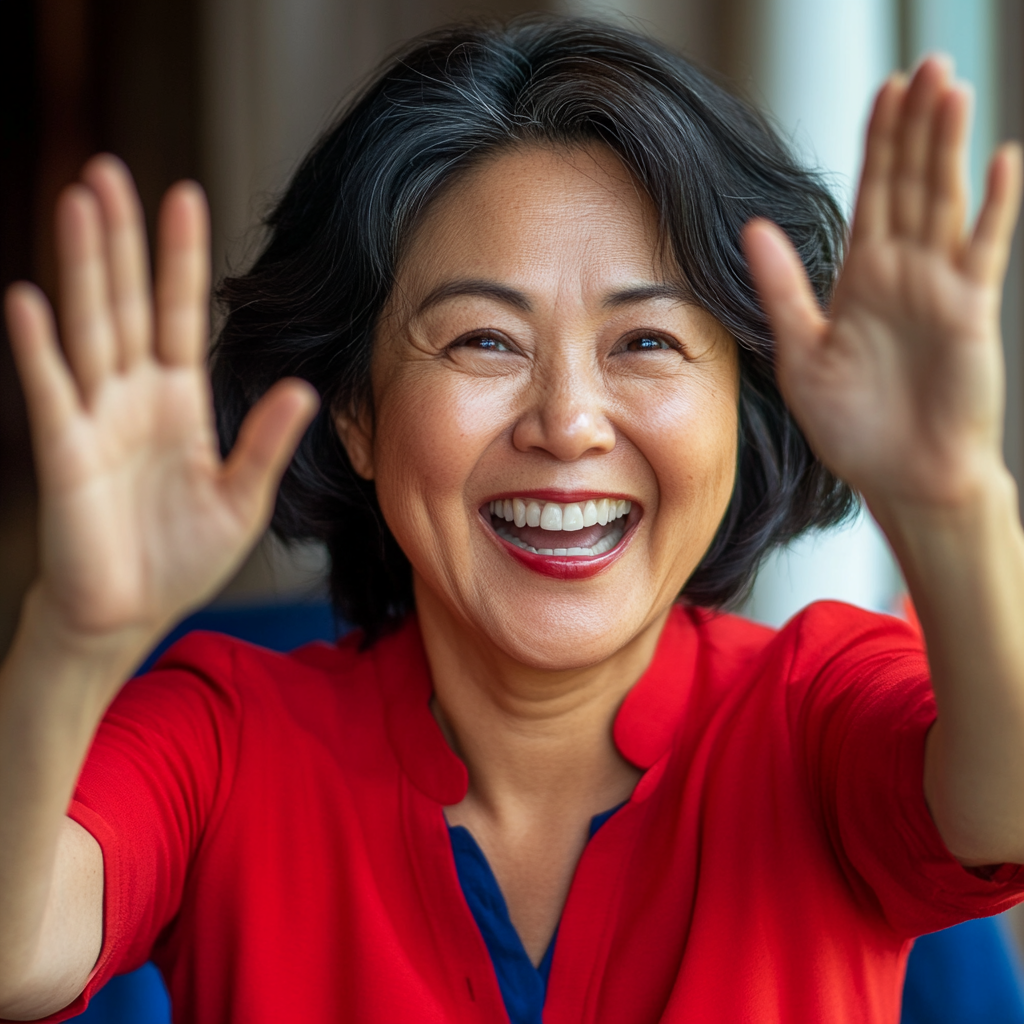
(578, 534)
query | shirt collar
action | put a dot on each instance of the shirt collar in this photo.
(643, 731)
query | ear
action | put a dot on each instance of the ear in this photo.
(356, 432)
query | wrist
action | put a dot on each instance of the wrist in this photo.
(58, 658)
(989, 504)
(964, 560)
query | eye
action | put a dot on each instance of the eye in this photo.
(483, 343)
(648, 343)
(489, 344)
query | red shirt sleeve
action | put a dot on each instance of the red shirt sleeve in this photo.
(861, 705)
(159, 767)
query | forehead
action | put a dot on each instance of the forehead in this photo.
(539, 217)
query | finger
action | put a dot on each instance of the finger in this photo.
(183, 276)
(914, 138)
(127, 258)
(786, 295)
(988, 252)
(947, 202)
(50, 393)
(874, 196)
(266, 443)
(86, 324)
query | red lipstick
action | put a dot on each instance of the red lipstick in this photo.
(566, 567)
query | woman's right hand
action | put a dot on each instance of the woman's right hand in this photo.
(141, 519)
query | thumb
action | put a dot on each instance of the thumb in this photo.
(266, 442)
(785, 292)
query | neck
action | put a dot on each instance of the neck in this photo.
(535, 741)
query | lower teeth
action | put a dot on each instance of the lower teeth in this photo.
(604, 544)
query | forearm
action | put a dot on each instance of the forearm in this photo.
(53, 691)
(964, 565)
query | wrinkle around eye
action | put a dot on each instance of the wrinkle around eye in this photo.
(466, 354)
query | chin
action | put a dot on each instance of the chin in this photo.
(560, 639)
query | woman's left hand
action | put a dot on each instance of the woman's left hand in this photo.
(899, 389)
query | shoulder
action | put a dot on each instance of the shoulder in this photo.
(829, 655)
(851, 672)
(838, 622)
(230, 661)
(833, 639)
(220, 677)
(817, 634)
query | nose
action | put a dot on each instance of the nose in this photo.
(567, 413)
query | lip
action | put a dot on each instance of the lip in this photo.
(563, 567)
(561, 497)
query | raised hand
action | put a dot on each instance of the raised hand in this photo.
(140, 518)
(899, 388)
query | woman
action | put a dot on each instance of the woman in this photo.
(537, 781)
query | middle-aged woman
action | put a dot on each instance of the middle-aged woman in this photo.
(538, 781)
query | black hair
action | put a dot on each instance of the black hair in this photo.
(309, 305)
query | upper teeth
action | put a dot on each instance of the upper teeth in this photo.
(550, 515)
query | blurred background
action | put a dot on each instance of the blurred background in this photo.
(232, 93)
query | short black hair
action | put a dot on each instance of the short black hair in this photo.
(309, 305)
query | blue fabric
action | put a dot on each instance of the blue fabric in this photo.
(135, 998)
(969, 974)
(523, 986)
(281, 627)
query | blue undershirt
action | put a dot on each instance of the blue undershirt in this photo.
(523, 986)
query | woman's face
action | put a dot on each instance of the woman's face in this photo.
(538, 373)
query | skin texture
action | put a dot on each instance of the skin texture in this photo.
(899, 390)
(477, 395)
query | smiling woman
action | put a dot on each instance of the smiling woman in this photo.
(549, 779)
(571, 369)
(683, 166)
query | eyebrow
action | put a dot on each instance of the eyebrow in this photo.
(647, 292)
(517, 300)
(486, 289)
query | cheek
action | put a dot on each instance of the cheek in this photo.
(428, 436)
(689, 438)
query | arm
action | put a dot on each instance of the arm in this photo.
(140, 521)
(900, 391)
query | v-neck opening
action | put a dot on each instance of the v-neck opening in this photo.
(434, 777)
(523, 985)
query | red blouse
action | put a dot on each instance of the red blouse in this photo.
(273, 835)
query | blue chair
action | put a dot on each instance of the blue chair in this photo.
(136, 998)
(281, 627)
(970, 974)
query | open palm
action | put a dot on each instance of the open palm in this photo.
(141, 519)
(899, 389)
